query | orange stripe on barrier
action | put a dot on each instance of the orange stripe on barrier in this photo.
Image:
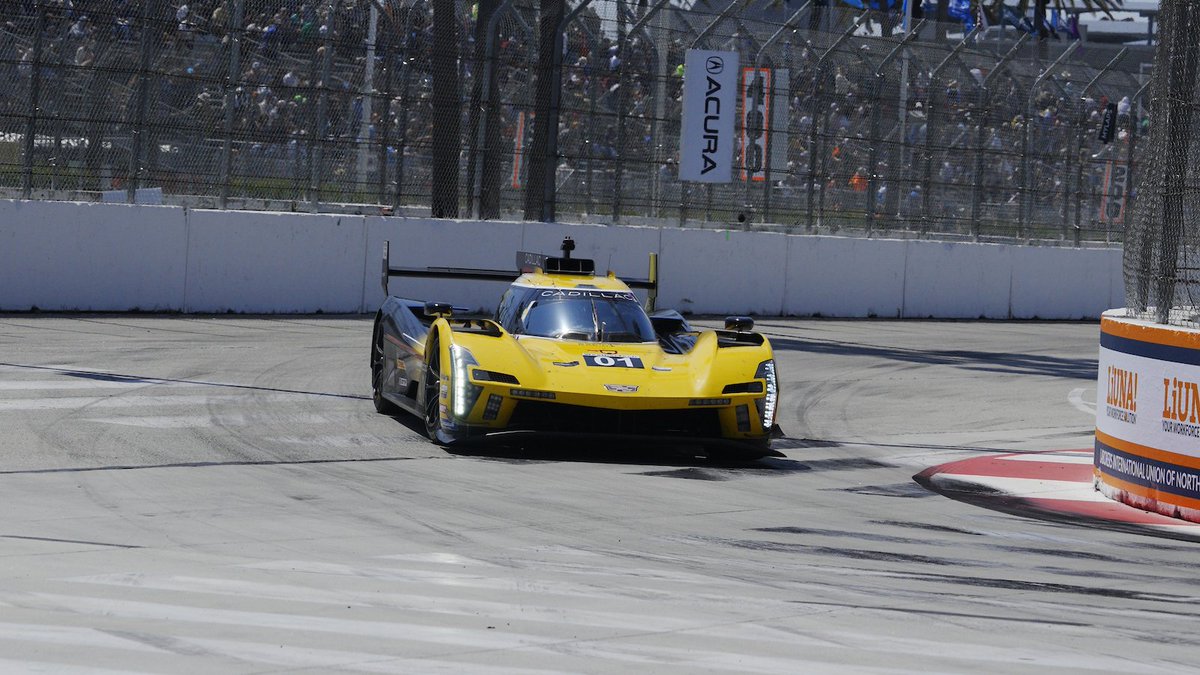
(1185, 461)
(1149, 492)
(1159, 335)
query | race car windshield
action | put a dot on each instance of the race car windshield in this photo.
(600, 318)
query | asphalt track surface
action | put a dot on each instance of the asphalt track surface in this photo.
(216, 494)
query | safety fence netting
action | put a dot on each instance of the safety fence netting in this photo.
(432, 108)
(1162, 244)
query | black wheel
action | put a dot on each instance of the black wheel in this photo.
(382, 405)
(432, 386)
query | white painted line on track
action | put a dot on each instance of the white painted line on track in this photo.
(238, 419)
(549, 612)
(77, 636)
(988, 656)
(438, 558)
(338, 441)
(1076, 400)
(66, 403)
(308, 658)
(18, 666)
(174, 422)
(112, 608)
(1030, 487)
(428, 577)
(1185, 526)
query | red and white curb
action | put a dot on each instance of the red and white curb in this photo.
(1058, 483)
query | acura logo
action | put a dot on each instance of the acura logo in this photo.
(714, 65)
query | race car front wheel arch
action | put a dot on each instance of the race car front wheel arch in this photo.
(378, 358)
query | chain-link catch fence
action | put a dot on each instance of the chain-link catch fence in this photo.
(420, 107)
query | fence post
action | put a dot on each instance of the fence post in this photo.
(367, 93)
(819, 108)
(876, 118)
(622, 101)
(986, 104)
(660, 107)
(485, 31)
(403, 122)
(1130, 195)
(138, 130)
(930, 111)
(488, 200)
(235, 67)
(1026, 170)
(818, 98)
(35, 86)
(1066, 173)
(1078, 150)
(981, 140)
(388, 60)
(320, 132)
(769, 96)
(590, 141)
(549, 159)
(302, 179)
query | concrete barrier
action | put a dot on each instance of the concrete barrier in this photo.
(116, 257)
(1147, 450)
(955, 281)
(1064, 283)
(710, 272)
(253, 261)
(91, 257)
(837, 276)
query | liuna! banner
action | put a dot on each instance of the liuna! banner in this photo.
(709, 109)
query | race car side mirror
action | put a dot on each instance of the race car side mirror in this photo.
(436, 309)
(739, 323)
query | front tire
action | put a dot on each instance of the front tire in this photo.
(432, 390)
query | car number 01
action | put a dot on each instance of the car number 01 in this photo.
(606, 361)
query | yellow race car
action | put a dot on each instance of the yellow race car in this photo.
(569, 355)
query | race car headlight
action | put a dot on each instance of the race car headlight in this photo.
(464, 393)
(766, 404)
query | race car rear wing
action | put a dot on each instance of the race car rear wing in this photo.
(526, 262)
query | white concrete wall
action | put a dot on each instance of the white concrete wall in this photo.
(833, 276)
(116, 257)
(250, 261)
(56, 255)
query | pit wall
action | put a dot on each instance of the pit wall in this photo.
(59, 256)
(1148, 416)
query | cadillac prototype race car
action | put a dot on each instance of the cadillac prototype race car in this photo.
(571, 354)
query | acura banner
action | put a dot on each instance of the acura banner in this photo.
(709, 108)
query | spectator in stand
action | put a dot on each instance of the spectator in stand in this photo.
(858, 182)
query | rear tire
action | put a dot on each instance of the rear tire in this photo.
(382, 405)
